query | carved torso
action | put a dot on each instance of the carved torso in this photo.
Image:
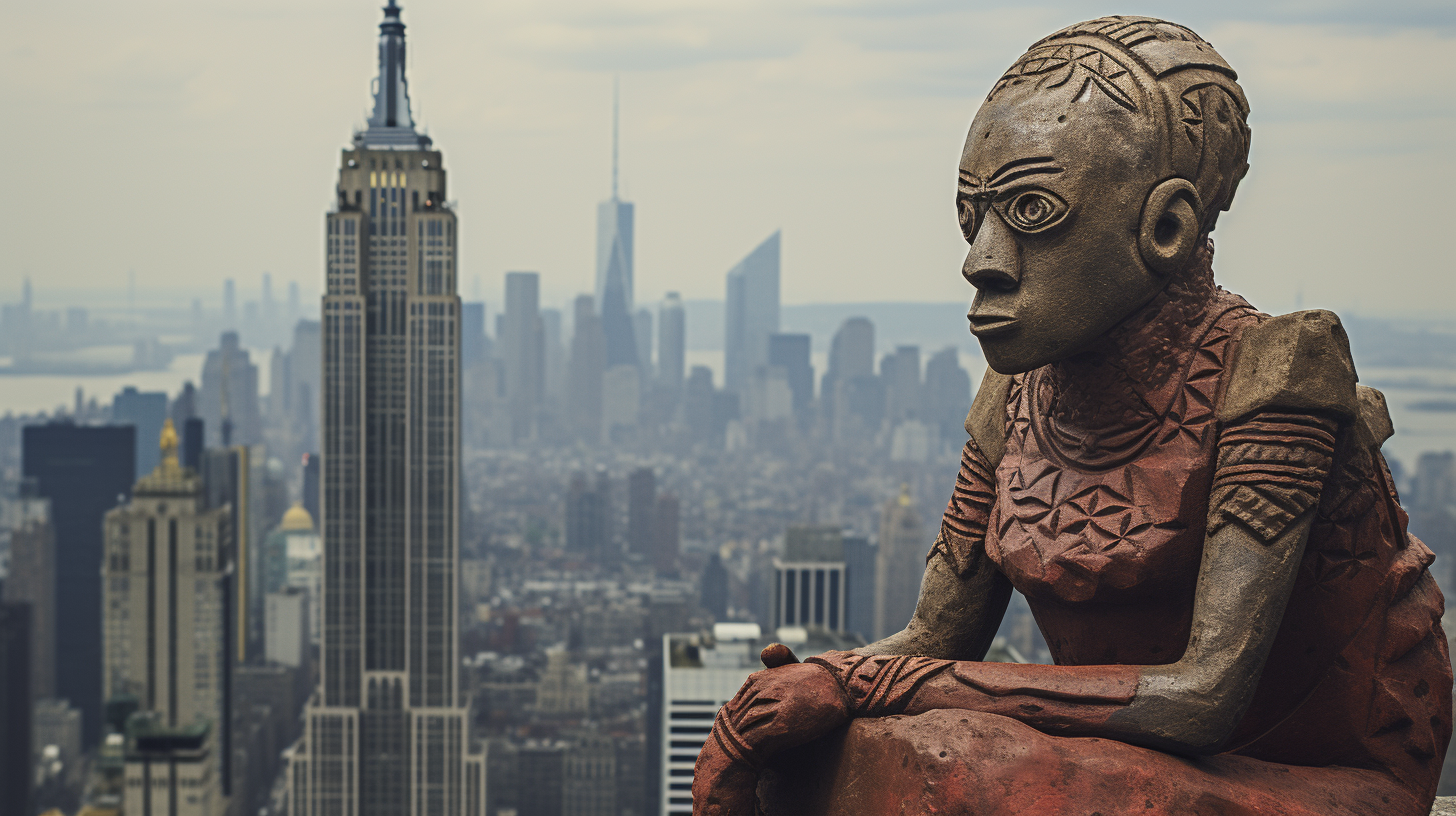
(1100, 507)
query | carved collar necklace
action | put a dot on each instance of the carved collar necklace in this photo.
(1095, 406)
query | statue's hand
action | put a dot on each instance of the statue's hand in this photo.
(782, 707)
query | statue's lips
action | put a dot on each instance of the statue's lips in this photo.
(993, 325)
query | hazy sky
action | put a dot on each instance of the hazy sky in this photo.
(194, 140)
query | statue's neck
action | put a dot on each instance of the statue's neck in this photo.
(1128, 367)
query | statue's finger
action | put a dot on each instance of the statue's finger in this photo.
(777, 654)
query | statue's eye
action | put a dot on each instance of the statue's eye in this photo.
(1033, 210)
(969, 216)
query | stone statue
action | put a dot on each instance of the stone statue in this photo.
(1189, 493)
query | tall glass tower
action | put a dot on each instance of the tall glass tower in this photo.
(615, 268)
(386, 732)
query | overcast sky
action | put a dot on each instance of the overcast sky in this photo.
(195, 140)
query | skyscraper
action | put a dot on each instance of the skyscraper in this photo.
(553, 357)
(32, 579)
(666, 533)
(585, 372)
(641, 510)
(387, 731)
(947, 394)
(853, 397)
(305, 367)
(589, 516)
(852, 352)
(859, 586)
(229, 395)
(899, 565)
(791, 353)
(901, 373)
(671, 344)
(642, 331)
(523, 344)
(752, 313)
(165, 617)
(145, 411)
(473, 342)
(84, 471)
(615, 268)
(15, 710)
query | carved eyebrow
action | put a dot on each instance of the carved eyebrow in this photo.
(1019, 168)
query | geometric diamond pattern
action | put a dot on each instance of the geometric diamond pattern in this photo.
(1100, 512)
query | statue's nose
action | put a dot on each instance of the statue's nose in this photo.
(994, 262)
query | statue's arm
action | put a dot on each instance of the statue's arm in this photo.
(955, 618)
(1250, 560)
(962, 596)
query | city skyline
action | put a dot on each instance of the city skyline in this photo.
(838, 122)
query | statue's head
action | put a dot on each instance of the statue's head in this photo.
(1094, 170)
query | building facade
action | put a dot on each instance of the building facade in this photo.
(291, 561)
(811, 580)
(387, 730)
(228, 399)
(695, 674)
(32, 580)
(751, 313)
(15, 710)
(163, 585)
(899, 564)
(144, 410)
(672, 344)
(523, 345)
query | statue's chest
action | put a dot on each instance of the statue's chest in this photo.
(1111, 508)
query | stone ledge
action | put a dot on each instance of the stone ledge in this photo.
(1445, 806)
(961, 763)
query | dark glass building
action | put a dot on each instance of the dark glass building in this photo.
(84, 470)
(15, 707)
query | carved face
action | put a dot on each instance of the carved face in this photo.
(1052, 189)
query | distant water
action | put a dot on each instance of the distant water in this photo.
(1417, 431)
(33, 393)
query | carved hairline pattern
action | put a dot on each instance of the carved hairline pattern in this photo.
(1053, 62)
(1127, 31)
(1054, 65)
(1121, 34)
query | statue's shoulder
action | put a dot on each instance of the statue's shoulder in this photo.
(1298, 362)
(986, 422)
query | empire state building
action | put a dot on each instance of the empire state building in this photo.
(387, 731)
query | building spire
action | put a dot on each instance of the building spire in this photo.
(616, 104)
(391, 124)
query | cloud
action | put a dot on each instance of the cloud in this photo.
(1305, 72)
(1367, 15)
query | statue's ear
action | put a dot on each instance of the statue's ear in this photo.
(1168, 232)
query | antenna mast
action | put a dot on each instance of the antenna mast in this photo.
(616, 97)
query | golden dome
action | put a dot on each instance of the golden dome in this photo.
(297, 518)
